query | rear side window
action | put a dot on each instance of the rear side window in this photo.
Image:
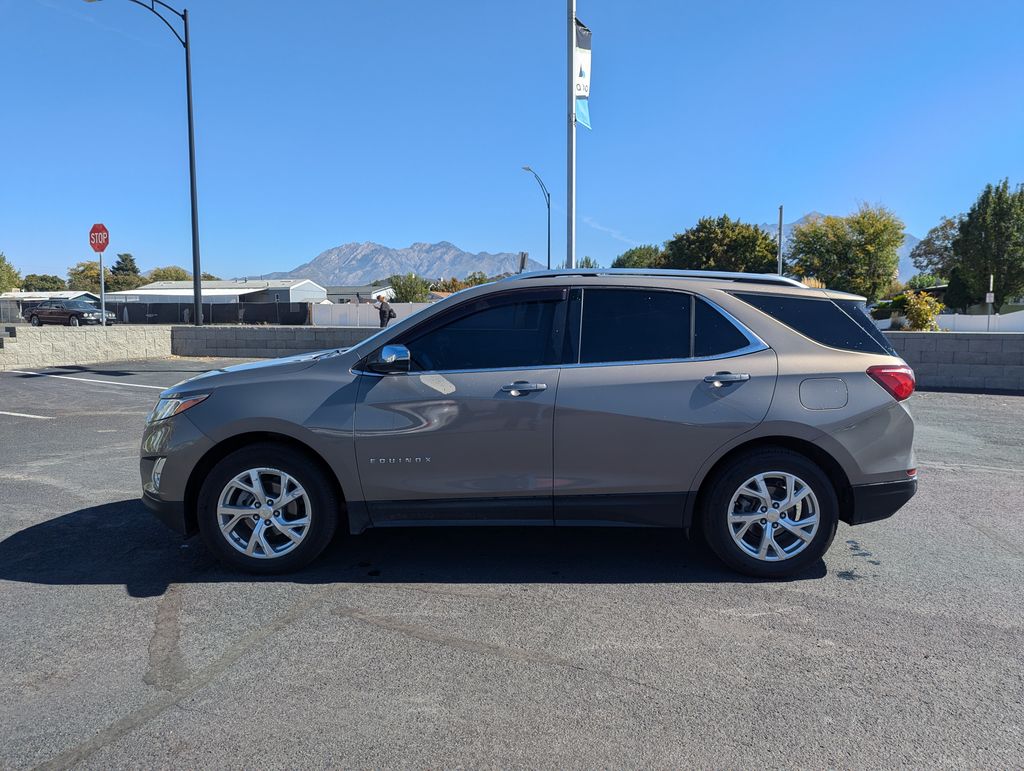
(858, 311)
(713, 333)
(634, 325)
(821, 320)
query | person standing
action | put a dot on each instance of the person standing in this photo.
(385, 310)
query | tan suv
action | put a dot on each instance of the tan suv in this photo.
(751, 408)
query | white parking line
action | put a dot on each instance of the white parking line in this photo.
(88, 380)
(24, 415)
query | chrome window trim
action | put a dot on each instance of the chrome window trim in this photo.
(754, 345)
(753, 348)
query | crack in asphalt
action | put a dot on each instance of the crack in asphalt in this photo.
(521, 655)
(166, 662)
(184, 688)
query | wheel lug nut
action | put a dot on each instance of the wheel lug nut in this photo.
(764, 509)
(764, 521)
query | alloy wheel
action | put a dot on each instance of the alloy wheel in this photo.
(264, 513)
(773, 516)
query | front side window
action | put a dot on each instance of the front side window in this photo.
(634, 325)
(493, 333)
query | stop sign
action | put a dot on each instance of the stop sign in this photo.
(99, 237)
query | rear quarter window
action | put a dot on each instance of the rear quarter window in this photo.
(824, 321)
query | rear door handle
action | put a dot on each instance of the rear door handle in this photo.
(521, 387)
(720, 379)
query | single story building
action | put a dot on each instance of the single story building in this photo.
(352, 294)
(38, 297)
(282, 290)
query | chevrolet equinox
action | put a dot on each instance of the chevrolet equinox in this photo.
(750, 408)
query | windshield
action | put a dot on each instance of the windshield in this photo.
(80, 305)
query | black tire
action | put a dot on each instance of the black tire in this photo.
(35, 321)
(325, 507)
(73, 321)
(728, 480)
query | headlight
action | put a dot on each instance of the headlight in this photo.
(168, 408)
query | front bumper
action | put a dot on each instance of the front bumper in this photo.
(178, 446)
(171, 513)
(880, 501)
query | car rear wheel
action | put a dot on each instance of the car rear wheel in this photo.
(73, 321)
(267, 509)
(34, 321)
(770, 513)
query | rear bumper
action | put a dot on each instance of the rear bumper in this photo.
(879, 501)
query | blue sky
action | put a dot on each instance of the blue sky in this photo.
(324, 122)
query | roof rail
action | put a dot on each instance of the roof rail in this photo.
(713, 275)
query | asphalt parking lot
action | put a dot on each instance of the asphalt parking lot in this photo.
(122, 645)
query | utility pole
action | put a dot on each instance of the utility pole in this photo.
(570, 233)
(780, 239)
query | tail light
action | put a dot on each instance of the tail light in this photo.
(897, 379)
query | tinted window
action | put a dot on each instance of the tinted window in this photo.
(634, 325)
(713, 333)
(859, 313)
(502, 333)
(821, 320)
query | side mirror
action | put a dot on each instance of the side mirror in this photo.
(392, 360)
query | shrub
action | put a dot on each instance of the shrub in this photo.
(921, 311)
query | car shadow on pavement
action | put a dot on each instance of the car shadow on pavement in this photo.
(121, 543)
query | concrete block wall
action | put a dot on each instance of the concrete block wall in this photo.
(969, 361)
(259, 342)
(26, 347)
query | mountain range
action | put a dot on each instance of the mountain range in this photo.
(906, 266)
(351, 264)
(363, 263)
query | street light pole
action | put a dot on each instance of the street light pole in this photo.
(197, 276)
(547, 200)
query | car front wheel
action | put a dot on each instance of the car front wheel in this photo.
(770, 513)
(267, 509)
(73, 321)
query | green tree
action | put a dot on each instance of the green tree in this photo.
(43, 282)
(410, 288)
(958, 295)
(934, 253)
(209, 276)
(124, 274)
(476, 278)
(587, 263)
(857, 253)
(9, 277)
(645, 256)
(920, 281)
(85, 277)
(722, 243)
(169, 273)
(990, 242)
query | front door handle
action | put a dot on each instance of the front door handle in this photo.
(521, 387)
(720, 379)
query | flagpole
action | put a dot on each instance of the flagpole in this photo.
(570, 238)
